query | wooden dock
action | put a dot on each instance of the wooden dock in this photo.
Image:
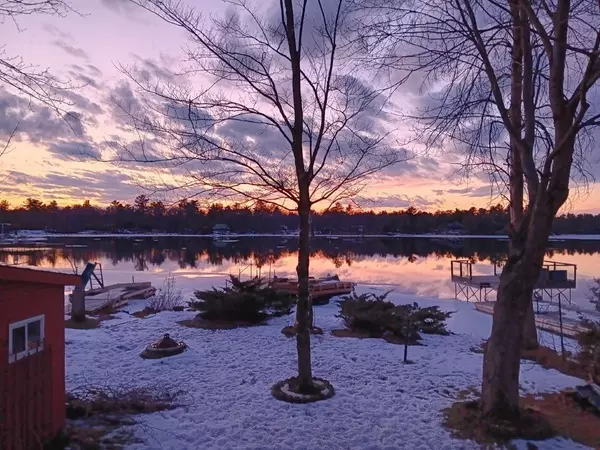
(114, 296)
(318, 288)
(548, 322)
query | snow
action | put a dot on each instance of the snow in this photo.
(285, 388)
(226, 377)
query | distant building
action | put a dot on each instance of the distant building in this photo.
(221, 228)
(32, 355)
(455, 228)
(358, 229)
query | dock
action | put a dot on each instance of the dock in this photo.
(320, 289)
(114, 296)
(555, 283)
(549, 322)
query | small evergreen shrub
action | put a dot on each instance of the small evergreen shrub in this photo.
(375, 315)
(594, 294)
(250, 301)
(589, 343)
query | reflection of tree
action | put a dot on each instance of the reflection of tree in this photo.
(140, 262)
(189, 253)
(157, 257)
(338, 262)
(189, 258)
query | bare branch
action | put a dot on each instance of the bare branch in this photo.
(279, 113)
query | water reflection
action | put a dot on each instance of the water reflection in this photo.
(418, 266)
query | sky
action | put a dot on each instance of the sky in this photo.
(90, 49)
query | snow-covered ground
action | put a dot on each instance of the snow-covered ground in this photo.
(226, 377)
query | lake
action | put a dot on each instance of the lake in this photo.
(409, 265)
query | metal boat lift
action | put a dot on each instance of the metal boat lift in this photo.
(555, 283)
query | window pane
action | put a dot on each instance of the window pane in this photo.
(18, 340)
(34, 334)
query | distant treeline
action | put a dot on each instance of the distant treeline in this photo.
(188, 217)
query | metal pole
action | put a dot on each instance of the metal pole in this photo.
(406, 334)
(562, 339)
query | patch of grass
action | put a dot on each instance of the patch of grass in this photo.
(103, 417)
(542, 416)
(568, 418)
(550, 359)
(147, 311)
(465, 421)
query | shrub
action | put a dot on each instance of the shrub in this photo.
(374, 314)
(589, 343)
(594, 294)
(167, 296)
(249, 301)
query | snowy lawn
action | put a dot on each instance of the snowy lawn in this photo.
(227, 375)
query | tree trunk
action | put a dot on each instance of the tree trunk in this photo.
(501, 363)
(502, 359)
(530, 336)
(303, 306)
(78, 305)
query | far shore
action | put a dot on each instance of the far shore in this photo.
(33, 236)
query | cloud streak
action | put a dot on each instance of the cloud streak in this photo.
(71, 50)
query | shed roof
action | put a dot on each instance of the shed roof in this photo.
(12, 273)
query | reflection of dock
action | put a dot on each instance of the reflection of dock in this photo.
(555, 282)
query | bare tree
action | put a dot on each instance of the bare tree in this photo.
(283, 118)
(510, 84)
(37, 84)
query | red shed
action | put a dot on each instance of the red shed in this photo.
(32, 355)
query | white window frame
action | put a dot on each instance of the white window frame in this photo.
(28, 351)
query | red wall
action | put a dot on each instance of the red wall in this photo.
(20, 301)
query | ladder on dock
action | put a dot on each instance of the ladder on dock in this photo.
(89, 275)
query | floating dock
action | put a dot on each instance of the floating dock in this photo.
(320, 289)
(114, 296)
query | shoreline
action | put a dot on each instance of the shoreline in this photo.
(233, 236)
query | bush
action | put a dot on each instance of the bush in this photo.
(594, 294)
(167, 296)
(589, 343)
(249, 301)
(375, 315)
